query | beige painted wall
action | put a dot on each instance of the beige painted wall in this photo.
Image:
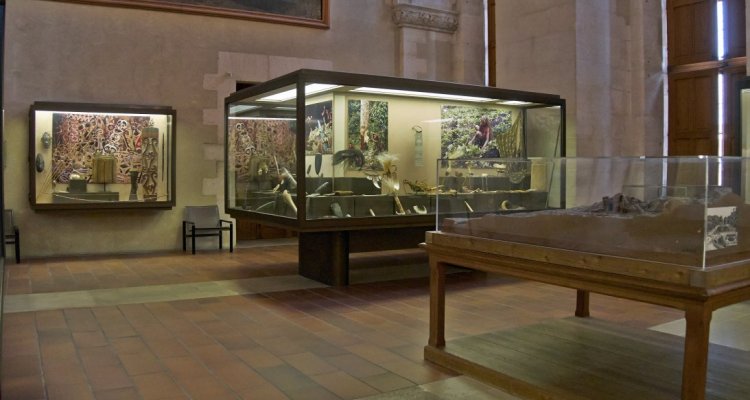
(80, 53)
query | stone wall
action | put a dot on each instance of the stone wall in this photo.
(603, 57)
(542, 58)
(59, 51)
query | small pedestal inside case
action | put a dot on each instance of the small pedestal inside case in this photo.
(77, 186)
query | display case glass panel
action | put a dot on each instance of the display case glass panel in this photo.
(101, 156)
(261, 152)
(691, 211)
(315, 147)
(743, 116)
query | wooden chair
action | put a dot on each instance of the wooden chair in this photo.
(202, 221)
(11, 234)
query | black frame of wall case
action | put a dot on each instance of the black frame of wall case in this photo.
(2, 166)
(102, 108)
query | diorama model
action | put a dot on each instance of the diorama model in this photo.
(333, 154)
(658, 209)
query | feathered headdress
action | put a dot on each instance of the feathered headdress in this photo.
(352, 158)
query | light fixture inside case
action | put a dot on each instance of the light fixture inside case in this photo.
(411, 93)
(310, 89)
(240, 108)
(514, 103)
(262, 118)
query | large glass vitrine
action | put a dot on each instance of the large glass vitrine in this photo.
(321, 151)
(316, 148)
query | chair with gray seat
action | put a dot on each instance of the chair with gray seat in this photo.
(11, 233)
(204, 221)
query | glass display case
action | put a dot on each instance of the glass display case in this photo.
(92, 156)
(346, 159)
(688, 211)
(669, 231)
(319, 150)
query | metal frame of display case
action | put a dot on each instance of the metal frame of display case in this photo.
(325, 243)
(742, 85)
(102, 108)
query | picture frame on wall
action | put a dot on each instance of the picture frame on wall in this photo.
(310, 13)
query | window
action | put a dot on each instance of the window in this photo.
(706, 59)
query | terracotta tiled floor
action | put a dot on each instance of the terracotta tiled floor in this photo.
(86, 273)
(313, 343)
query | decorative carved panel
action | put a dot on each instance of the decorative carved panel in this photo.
(425, 18)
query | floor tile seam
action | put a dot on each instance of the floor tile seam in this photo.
(221, 288)
(179, 380)
(150, 285)
(319, 334)
(285, 316)
(64, 262)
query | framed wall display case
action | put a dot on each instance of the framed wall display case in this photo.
(92, 156)
(743, 116)
(671, 231)
(344, 157)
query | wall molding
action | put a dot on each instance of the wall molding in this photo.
(407, 15)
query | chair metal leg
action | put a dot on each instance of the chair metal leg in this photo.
(184, 236)
(193, 230)
(221, 239)
(18, 246)
(231, 238)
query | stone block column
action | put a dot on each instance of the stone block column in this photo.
(425, 38)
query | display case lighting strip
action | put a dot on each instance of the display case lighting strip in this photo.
(262, 118)
(312, 88)
(514, 103)
(410, 93)
(242, 108)
(99, 113)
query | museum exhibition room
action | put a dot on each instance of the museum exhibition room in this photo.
(375, 199)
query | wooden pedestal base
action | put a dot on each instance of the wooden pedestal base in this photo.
(586, 358)
(324, 256)
(698, 292)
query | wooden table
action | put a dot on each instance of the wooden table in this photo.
(696, 291)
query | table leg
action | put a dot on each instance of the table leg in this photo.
(437, 303)
(582, 303)
(695, 363)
